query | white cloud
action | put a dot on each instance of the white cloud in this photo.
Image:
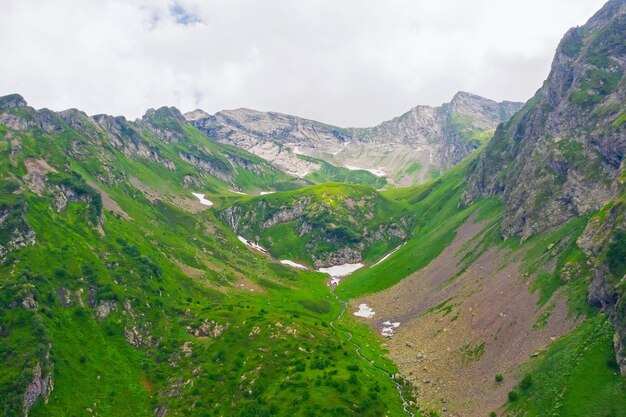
(353, 62)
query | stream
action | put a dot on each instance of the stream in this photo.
(405, 404)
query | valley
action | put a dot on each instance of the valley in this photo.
(464, 260)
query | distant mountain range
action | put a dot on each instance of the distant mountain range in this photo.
(412, 148)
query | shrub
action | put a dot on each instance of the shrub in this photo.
(527, 382)
(499, 378)
(513, 396)
(493, 414)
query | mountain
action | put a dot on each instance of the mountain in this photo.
(562, 156)
(149, 270)
(122, 294)
(412, 148)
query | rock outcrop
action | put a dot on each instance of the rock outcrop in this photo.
(562, 154)
(39, 388)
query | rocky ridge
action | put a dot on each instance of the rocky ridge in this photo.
(562, 156)
(407, 149)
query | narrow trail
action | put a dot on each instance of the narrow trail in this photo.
(405, 403)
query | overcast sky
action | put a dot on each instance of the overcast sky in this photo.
(346, 62)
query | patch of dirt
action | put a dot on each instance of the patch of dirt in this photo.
(38, 166)
(108, 202)
(191, 205)
(190, 271)
(457, 333)
(35, 178)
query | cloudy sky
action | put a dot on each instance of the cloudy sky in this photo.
(348, 62)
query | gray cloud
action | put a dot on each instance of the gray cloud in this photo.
(353, 62)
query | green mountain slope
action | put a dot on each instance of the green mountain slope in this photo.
(122, 295)
(325, 225)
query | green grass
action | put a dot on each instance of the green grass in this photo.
(575, 376)
(437, 208)
(297, 364)
(332, 173)
(316, 222)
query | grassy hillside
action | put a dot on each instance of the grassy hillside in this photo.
(327, 224)
(332, 173)
(130, 298)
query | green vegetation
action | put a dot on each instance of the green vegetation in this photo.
(164, 274)
(616, 254)
(576, 376)
(318, 222)
(472, 353)
(438, 210)
(332, 173)
(598, 83)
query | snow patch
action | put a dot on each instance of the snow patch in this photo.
(388, 255)
(251, 244)
(376, 171)
(266, 192)
(203, 200)
(364, 311)
(238, 192)
(292, 263)
(339, 271)
(297, 151)
(389, 328)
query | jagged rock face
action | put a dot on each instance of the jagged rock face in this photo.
(406, 148)
(603, 241)
(123, 135)
(165, 122)
(40, 387)
(15, 232)
(562, 154)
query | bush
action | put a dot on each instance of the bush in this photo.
(513, 396)
(527, 382)
(499, 378)
(493, 414)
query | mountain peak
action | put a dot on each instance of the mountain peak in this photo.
(163, 113)
(11, 101)
(196, 114)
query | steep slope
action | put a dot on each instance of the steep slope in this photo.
(122, 295)
(322, 226)
(515, 305)
(409, 149)
(562, 155)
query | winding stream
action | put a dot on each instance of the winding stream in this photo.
(405, 404)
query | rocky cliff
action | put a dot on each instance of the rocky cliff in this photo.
(408, 149)
(562, 156)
